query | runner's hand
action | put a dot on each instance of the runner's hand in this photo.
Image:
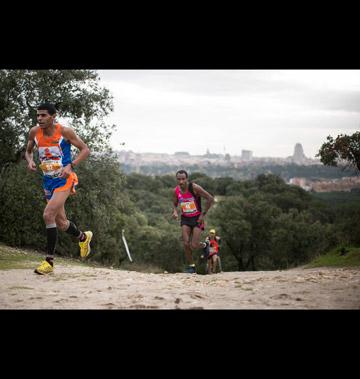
(175, 215)
(31, 166)
(201, 218)
(66, 171)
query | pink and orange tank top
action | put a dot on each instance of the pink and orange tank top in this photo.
(187, 202)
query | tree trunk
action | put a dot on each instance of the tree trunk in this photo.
(253, 263)
(240, 265)
(237, 255)
(240, 260)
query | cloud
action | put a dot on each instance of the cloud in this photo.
(265, 110)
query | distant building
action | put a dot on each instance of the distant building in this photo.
(246, 155)
(211, 155)
(346, 184)
(299, 156)
(181, 154)
(301, 182)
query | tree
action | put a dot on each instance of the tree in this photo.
(100, 201)
(76, 94)
(246, 226)
(297, 238)
(261, 215)
(343, 148)
(237, 231)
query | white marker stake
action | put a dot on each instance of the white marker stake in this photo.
(126, 246)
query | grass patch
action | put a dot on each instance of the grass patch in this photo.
(12, 258)
(15, 258)
(339, 257)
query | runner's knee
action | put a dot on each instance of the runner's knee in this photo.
(194, 246)
(186, 244)
(49, 215)
(62, 223)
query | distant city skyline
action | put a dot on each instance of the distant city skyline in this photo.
(227, 111)
(246, 154)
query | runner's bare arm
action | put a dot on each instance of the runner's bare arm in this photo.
(175, 204)
(209, 198)
(29, 150)
(75, 140)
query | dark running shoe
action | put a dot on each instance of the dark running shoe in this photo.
(190, 270)
(206, 249)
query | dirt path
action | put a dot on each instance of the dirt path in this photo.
(76, 287)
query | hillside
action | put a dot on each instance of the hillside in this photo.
(341, 257)
(77, 285)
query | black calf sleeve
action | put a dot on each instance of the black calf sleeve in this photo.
(51, 232)
(73, 230)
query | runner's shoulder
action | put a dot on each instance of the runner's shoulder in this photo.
(33, 131)
(65, 129)
(67, 132)
(196, 187)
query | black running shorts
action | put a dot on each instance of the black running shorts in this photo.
(192, 222)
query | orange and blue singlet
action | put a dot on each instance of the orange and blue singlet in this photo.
(54, 154)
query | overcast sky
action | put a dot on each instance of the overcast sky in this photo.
(266, 111)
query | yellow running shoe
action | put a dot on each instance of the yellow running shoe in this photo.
(44, 268)
(85, 246)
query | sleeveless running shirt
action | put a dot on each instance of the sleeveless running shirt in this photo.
(187, 203)
(54, 152)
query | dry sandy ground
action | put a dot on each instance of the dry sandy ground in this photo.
(78, 287)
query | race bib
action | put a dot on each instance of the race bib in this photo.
(51, 168)
(188, 206)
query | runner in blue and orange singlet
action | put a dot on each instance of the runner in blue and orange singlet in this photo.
(53, 142)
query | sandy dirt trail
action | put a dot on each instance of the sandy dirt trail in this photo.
(78, 287)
